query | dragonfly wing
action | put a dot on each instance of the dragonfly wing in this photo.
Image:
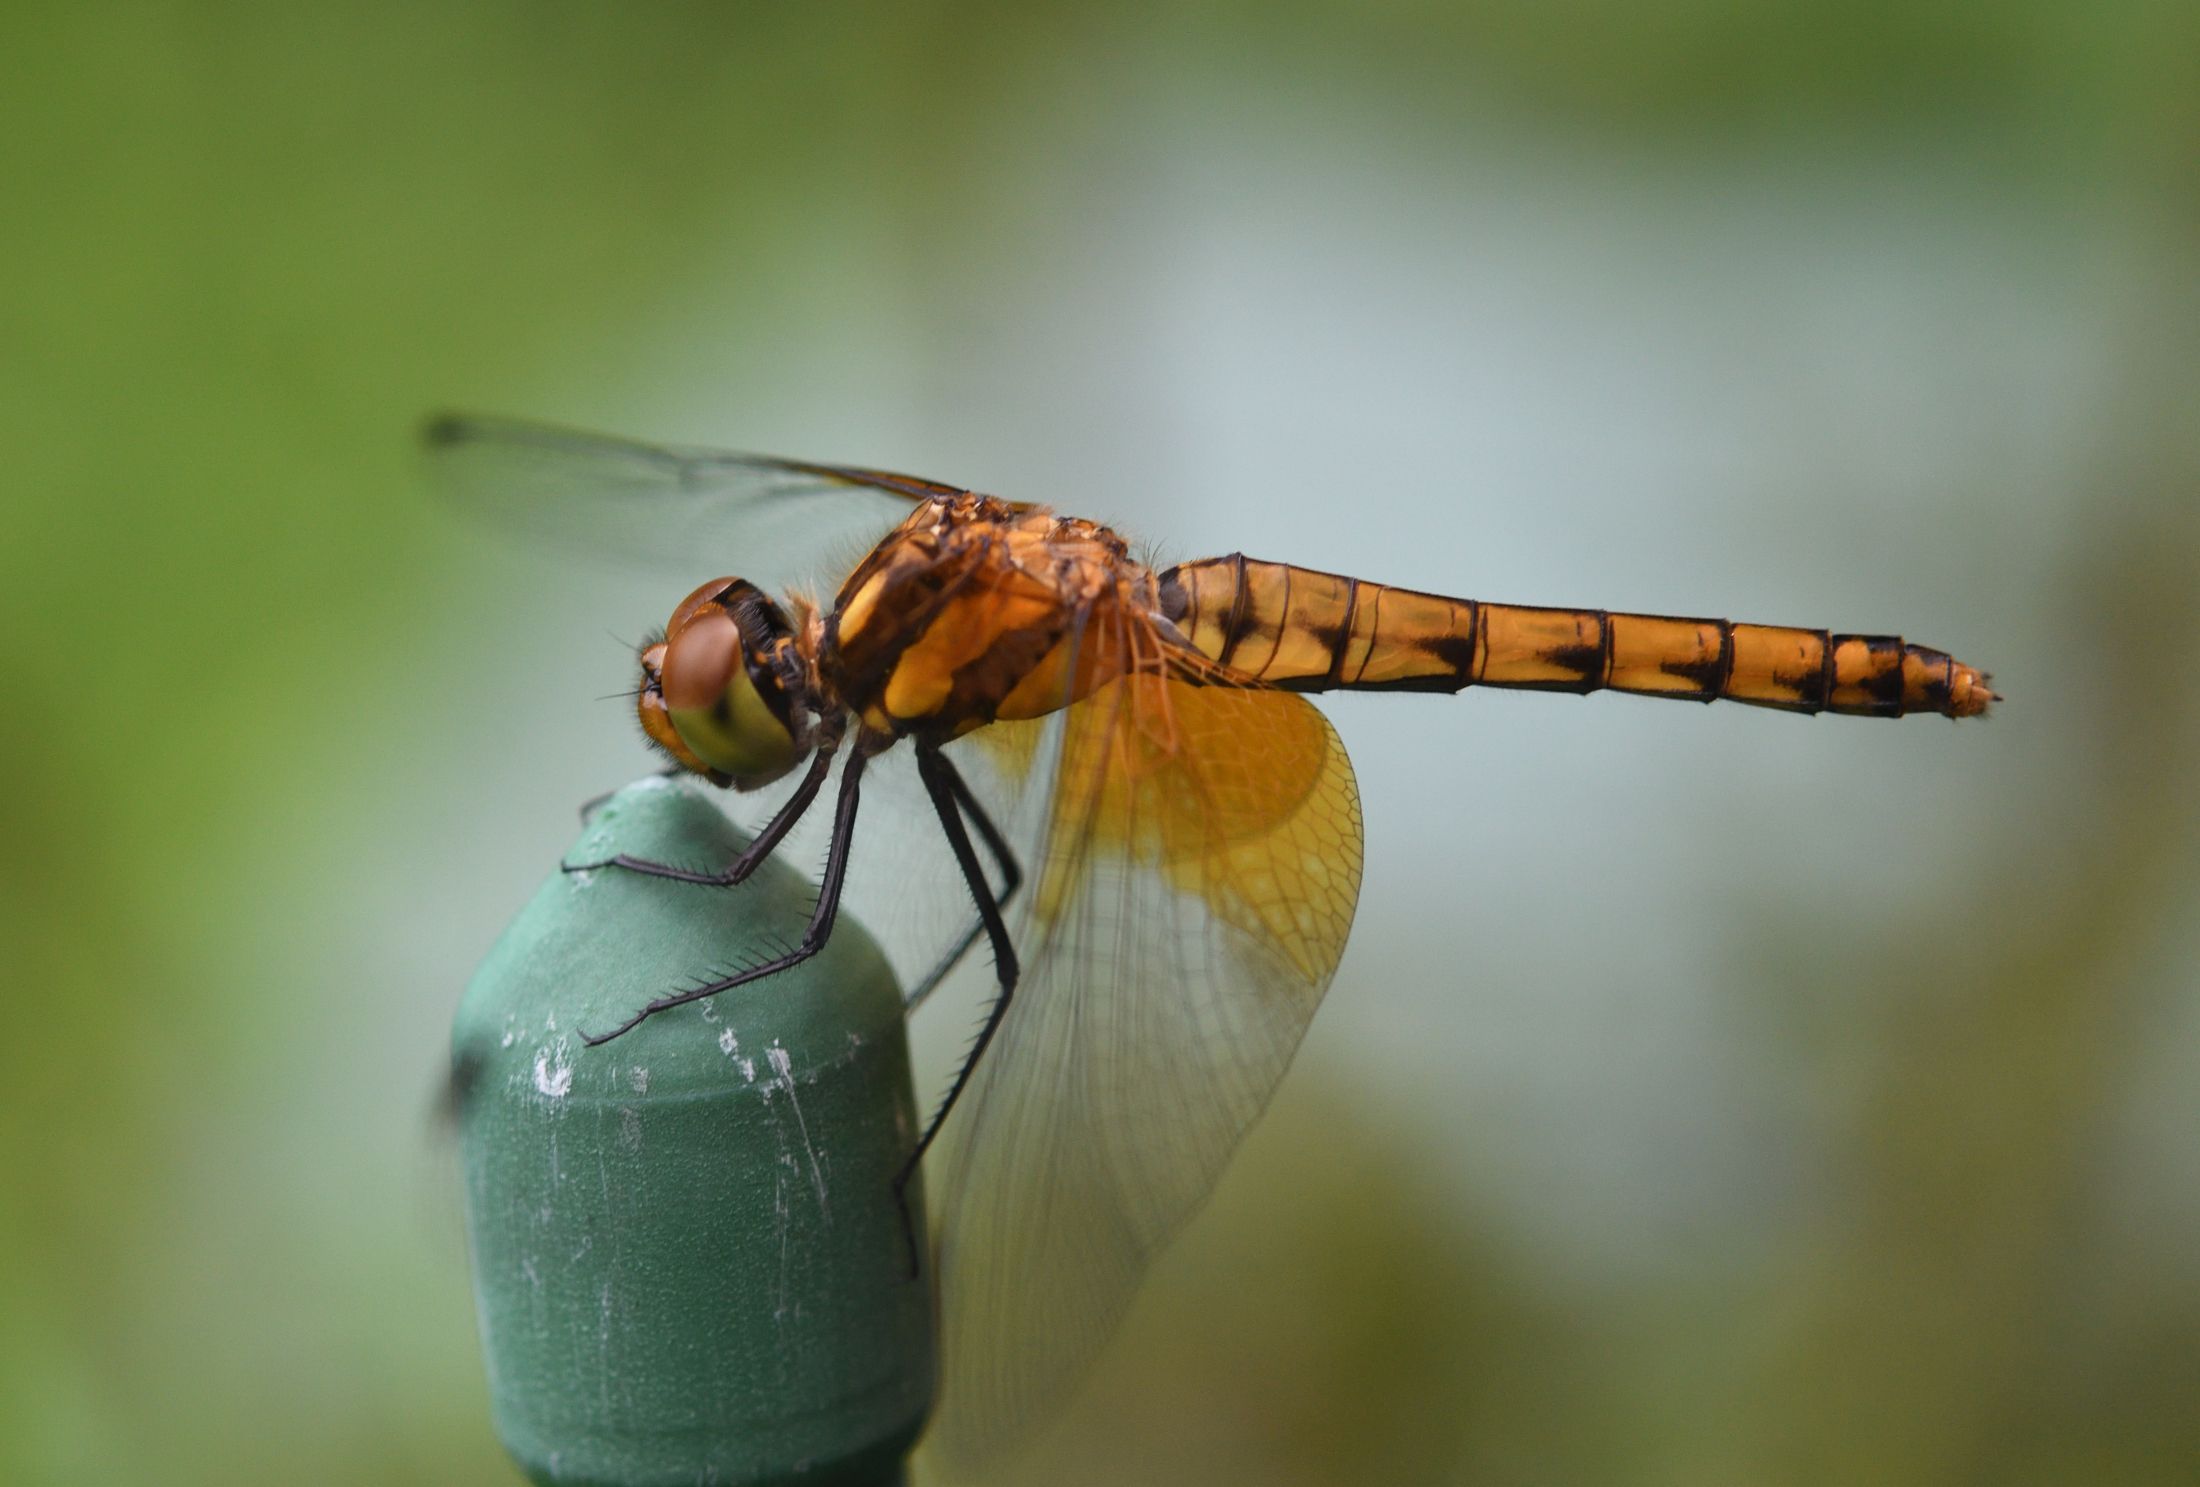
(772, 521)
(1192, 892)
(904, 885)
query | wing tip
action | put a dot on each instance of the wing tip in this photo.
(444, 427)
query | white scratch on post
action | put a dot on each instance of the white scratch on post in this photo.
(553, 1074)
(783, 1069)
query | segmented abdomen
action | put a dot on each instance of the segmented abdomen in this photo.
(1316, 632)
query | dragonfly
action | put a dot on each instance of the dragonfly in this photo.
(1144, 817)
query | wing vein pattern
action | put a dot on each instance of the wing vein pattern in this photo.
(1194, 874)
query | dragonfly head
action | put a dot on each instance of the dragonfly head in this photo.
(721, 694)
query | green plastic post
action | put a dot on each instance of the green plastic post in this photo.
(687, 1256)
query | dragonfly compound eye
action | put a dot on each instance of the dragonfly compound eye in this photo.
(722, 698)
(719, 593)
(649, 704)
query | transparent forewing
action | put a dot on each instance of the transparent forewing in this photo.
(1190, 899)
(903, 885)
(682, 510)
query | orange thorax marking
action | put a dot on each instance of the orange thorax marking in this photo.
(972, 611)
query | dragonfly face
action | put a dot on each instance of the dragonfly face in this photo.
(725, 693)
(1170, 831)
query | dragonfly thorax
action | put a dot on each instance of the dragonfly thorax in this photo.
(974, 611)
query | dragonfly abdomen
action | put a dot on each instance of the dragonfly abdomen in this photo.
(1312, 631)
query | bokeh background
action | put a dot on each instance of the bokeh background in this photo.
(1707, 1096)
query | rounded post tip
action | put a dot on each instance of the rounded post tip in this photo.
(689, 1258)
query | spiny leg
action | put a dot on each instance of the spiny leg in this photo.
(1004, 860)
(1003, 856)
(943, 782)
(813, 938)
(760, 847)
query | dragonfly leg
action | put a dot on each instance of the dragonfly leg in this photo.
(1004, 862)
(813, 938)
(1004, 857)
(943, 782)
(760, 847)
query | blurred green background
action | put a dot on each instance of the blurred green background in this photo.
(1707, 1096)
